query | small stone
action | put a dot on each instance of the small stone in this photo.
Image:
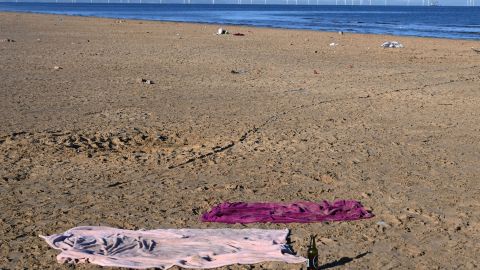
(116, 141)
(366, 195)
(57, 67)
(328, 178)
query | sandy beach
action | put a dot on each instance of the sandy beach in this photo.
(275, 115)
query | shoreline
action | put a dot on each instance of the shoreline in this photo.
(240, 26)
(275, 115)
(253, 25)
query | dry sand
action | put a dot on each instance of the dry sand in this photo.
(397, 129)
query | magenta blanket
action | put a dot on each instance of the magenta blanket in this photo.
(301, 212)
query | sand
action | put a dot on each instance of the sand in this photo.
(87, 144)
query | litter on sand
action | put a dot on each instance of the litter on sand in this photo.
(222, 31)
(392, 44)
(164, 248)
(239, 34)
(145, 81)
(333, 44)
(301, 212)
(238, 71)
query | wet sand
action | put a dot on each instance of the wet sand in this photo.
(87, 144)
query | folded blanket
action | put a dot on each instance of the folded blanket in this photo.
(302, 212)
(162, 249)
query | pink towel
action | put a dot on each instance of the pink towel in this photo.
(301, 212)
(162, 249)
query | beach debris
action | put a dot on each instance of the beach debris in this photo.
(145, 81)
(383, 224)
(238, 71)
(476, 50)
(333, 44)
(57, 67)
(7, 40)
(340, 32)
(298, 90)
(222, 31)
(239, 34)
(392, 44)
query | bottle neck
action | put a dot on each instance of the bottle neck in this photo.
(312, 241)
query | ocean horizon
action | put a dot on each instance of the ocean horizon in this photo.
(421, 21)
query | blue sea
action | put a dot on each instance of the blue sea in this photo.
(438, 21)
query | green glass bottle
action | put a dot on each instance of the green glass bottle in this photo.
(312, 255)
